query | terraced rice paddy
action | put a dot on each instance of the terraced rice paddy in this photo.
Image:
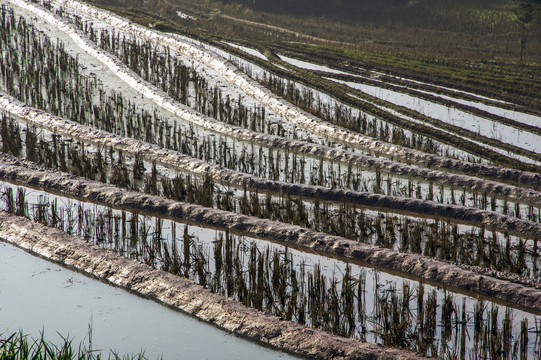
(388, 212)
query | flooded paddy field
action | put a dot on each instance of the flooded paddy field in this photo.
(392, 218)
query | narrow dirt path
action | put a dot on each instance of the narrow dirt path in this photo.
(283, 30)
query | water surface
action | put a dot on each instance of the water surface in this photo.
(37, 295)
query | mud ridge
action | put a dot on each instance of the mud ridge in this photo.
(171, 158)
(183, 294)
(411, 265)
(415, 207)
(294, 114)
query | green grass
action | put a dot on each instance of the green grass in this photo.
(18, 346)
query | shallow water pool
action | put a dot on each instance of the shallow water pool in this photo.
(37, 295)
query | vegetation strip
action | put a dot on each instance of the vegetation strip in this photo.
(421, 88)
(293, 114)
(413, 265)
(21, 346)
(185, 295)
(429, 126)
(440, 129)
(224, 176)
(281, 29)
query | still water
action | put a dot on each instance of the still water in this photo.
(36, 296)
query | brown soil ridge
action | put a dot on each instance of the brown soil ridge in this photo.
(414, 207)
(411, 265)
(183, 294)
(176, 160)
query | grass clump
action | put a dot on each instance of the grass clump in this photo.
(19, 346)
